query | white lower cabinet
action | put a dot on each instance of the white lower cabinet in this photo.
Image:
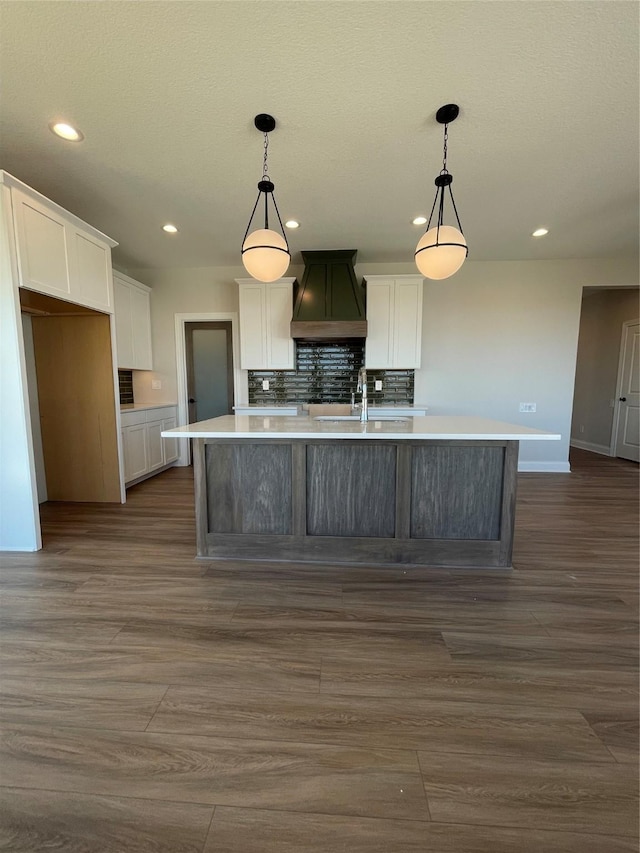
(145, 451)
(134, 444)
(155, 453)
(170, 445)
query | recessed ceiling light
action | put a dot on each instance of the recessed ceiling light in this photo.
(419, 220)
(66, 131)
(291, 223)
(169, 228)
(540, 232)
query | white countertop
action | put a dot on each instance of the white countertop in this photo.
(426, 427)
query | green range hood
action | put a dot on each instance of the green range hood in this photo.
(329, 301)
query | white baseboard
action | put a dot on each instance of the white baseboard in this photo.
(602, 449)
(544, 467)
(18, 549)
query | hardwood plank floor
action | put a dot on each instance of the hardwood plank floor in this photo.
(154, 702)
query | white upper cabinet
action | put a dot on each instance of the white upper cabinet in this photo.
(265, 320)
(59, 255)
(41, 237)
(133, 323)
(394, 322)
(92, 260)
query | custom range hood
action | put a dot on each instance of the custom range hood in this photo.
(329, 302)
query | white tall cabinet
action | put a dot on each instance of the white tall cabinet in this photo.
(394, 321)
(46, 249)
(265, 320)
(133, 322)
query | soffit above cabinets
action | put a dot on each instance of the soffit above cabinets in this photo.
(42, 305)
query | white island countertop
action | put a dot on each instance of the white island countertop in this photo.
(432, 427)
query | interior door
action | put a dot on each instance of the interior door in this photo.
(209, 370)
(628, 421)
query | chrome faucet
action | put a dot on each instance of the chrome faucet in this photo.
(362, 389)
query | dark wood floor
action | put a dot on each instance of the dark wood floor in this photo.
(151, 702)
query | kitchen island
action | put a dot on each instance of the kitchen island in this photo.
(429, 490)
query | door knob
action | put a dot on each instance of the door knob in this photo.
(191, 400)
(623, 399)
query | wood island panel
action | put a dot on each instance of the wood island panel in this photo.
(456, 492)
(379, 502)
(248, 488)
(351, 490)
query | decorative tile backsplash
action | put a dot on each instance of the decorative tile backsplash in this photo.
(327, 372)
(125, 381)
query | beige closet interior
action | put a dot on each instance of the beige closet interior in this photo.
(74, 368)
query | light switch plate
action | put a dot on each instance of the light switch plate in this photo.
(378, 385)
(156, 384)
(527, 407)
(265, 384)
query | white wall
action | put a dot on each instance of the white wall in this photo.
(34, 406)
(19, 515)
(494, 335)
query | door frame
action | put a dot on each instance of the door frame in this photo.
(616, 405)
(240, 377)
(191, 366)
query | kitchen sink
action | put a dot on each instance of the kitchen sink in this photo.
(334, 418)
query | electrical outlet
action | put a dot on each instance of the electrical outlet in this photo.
(378, 385)
(265, 384)
(527, 407)
(581, 427)
(156, 384)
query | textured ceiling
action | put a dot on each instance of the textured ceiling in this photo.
(166, 92)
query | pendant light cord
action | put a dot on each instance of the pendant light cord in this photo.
(265, 177)
(444, 156)
(265, 170)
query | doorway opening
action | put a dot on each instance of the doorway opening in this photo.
(209, 361)
(72, 401)
(231, 381)
(606, 400)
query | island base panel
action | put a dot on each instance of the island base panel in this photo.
(439, 503)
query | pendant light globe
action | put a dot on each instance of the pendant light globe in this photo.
(440, 255)
(265, 255)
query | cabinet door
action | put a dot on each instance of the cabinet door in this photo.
(134, 441)
(407, 324)
(279, 305)
(170, 444)
(41, 237)
(141, 325)
(252, 326)
(124, 325)
(379, 346)
(155, 453)
(90, 271)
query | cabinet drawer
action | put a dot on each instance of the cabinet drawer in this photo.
(133, 418)
(161, 414)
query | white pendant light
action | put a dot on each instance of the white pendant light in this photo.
(443, 249)
(265, 253)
